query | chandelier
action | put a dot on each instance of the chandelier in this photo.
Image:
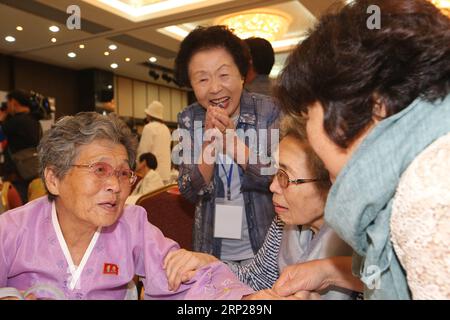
(270, 26)
(444, 5)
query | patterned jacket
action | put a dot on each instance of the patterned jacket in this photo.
(256, 112)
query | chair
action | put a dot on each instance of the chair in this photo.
(10, 197)
(171, 213)
(36, 189)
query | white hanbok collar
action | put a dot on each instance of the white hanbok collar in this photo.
(75, 271)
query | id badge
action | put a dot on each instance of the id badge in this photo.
(228, 221)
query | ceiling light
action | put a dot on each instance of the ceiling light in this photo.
(106, 53)
(54, 29)
(174, 31)
(153, 59)
(110, 87)
(138, 9)
(270, 26)
(19, 28)
(112, 47)
(10, 39)
(114, 65)
(443, 5)
(81, 46)
(286, 44)
(72, 55)
(53, 40)
(127, 59)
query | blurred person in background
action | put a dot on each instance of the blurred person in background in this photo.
(23, 132)
(156, 139)
(262, 60)
(150, 179)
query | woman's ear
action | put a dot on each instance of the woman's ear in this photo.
(51, 181)
(379, 111)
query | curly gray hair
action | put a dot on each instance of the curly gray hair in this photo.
(58, 148)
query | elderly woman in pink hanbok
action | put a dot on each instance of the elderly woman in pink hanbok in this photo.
(82, 242)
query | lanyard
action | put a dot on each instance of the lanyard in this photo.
(229, 177)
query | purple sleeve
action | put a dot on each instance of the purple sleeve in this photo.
(8, 236)
(214, 281)
(3, 263)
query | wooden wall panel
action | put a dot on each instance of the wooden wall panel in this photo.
(164, 98)
(139, 98)
(125, 99)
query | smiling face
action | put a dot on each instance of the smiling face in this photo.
(215, 79)
(87, 199)
(301, 204)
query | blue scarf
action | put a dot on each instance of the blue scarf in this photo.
(359, 204)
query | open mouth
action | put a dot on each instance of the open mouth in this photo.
(109, 205)
(221, 102)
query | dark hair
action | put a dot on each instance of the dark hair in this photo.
(204, 38)
(149, 159)
(349, 68)
(263, 56)
(23, 98)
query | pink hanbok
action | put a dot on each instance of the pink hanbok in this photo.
(33, 252)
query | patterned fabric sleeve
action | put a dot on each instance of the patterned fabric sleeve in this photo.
(190, 180)
(258, 176)
(263, 271)
(420, 222)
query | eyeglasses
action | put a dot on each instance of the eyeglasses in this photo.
(284, 181)
(103, 170)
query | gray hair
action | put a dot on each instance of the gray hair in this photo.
(58, 148)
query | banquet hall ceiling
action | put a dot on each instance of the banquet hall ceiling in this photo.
(119, 35)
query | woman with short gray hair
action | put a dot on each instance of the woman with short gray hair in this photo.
(58, 148)
(82, 242)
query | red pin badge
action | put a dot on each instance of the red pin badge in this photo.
(110, 268)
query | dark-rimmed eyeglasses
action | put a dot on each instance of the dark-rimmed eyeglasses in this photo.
(284, 181)
(103, 170)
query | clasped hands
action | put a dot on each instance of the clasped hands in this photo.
(219, 124)
(217, 117)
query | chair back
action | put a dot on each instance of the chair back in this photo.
(171, 213)
(10, 196)
(36, 189)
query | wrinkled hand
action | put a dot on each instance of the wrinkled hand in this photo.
(309, 276)
(270, 294)
(209, 117)
(181, 266)
(218, 119)
(221, 120)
